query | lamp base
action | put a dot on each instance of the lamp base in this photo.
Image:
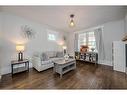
(64, 51)
(20, 56)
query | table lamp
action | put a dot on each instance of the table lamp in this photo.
(20, 49)
(65, 49)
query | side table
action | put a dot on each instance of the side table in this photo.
(16, 66)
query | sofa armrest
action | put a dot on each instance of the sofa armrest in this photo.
(36, 61)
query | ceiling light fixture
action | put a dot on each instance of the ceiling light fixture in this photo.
(72, 24)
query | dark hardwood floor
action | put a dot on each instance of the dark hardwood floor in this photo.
(86, 76)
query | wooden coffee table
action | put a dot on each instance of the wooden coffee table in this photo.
(63, 66)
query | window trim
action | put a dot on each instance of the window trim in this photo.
(87, 39)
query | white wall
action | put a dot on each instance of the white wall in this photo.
(113, 31)
(126, 23)
(12, 36)
(0, 41)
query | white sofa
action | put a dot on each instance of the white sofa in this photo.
(44, 60)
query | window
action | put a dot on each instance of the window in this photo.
(82, 40)
(51, 37)
(91, 40)
(87, 38)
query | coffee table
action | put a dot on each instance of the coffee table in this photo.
(63, 66)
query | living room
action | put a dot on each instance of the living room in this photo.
(43, 35)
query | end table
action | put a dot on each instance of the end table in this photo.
(19, 66)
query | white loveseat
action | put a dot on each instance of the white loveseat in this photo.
(44, 60)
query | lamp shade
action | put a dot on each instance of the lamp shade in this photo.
(20, 47)
(64, 47)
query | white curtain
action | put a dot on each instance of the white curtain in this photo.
(100, 44)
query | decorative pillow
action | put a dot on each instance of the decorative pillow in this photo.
(44, 57)
(51, 54)
(59, 54)
(37, 54)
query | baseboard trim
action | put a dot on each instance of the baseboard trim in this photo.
(105, 62)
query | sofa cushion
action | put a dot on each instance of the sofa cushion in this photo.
(59, 54)
(51, 54)
(37, 54)
(55, 59)
(46, 62)
(44, 57)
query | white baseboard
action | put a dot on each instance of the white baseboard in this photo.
(5, 70)
(106, 62)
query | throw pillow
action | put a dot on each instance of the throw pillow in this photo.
(59, 54)
(51, 54)
(44, 57)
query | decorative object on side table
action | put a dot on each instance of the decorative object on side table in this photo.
(92, 49)
(20, 49)
(77, 55)
(91, 57)
(124, 38)
(19, 66)
(66, 57)
(83, 48)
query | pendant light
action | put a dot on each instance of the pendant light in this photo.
(72, 24)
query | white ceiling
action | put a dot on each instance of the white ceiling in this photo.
(58, 16)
